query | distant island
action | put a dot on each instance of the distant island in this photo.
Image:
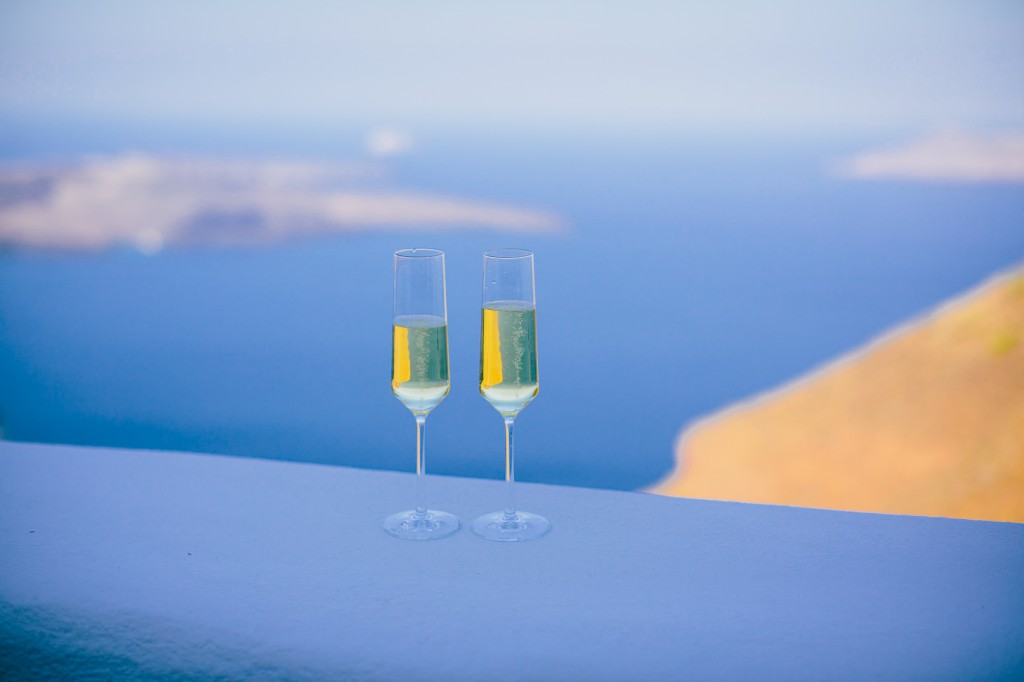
(149, 202)
(928, 419)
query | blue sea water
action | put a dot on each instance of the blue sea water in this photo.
(691, 274)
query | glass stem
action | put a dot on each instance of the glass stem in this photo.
(421, 463)
(510, 469)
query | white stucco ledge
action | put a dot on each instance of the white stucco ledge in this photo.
(119, 564)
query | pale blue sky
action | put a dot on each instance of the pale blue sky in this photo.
(744, 65)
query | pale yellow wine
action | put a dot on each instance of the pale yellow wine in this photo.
(508, 355)
(419, 361)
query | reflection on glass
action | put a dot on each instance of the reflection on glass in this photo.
(508, 375)
(419, 373)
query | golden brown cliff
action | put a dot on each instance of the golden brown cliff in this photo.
(928, 419)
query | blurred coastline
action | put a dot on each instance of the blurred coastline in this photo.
(927, 419)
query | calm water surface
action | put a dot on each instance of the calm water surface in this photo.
(690, 275)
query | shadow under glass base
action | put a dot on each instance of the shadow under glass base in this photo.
(430, 526)
(516, 528)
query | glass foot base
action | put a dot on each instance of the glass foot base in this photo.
(522, 526)
(430, 526)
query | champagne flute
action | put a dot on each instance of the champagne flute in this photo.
(419, 372)
(508, 374)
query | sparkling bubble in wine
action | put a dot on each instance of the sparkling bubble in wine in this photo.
(419, 361)
(508, 357)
